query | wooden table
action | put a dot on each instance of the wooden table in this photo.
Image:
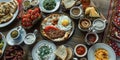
(77, 37)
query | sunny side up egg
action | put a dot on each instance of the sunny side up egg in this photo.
(64, 23)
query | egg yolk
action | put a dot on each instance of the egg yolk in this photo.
(65, 22)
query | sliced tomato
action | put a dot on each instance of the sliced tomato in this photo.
(47, 28)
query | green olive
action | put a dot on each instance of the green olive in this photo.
(14, 34)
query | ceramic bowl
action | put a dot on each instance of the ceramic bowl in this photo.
(91, 38)
(81, 48)
(49, 11)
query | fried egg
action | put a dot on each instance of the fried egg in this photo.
(64, 23)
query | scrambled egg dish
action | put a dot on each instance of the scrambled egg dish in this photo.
(101, 54)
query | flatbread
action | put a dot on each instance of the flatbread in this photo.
(68, 3)
(61, 52)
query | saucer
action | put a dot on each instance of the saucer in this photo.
(19, 40)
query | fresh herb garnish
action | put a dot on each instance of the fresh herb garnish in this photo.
(49, 4)
(43, 51)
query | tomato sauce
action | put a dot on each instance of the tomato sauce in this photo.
(80, 50)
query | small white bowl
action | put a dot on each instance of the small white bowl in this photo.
(30, 38)
(77, 53)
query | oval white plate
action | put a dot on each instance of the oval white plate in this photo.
(14, 16)
(42, 43)
(49, 11)
(10, 40)
(92, 50)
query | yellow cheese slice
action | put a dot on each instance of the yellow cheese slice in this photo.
(93, 13)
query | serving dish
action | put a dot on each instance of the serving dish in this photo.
(13, 18)
(41, 6)
(38, 52)
(14, 53)
(3, 44)
(30, 17)
(61, 26)
(19, 40)
(92, 50)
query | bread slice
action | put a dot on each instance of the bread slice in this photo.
(68, 3)
(6, 18)
(69, 53)
(61, 52)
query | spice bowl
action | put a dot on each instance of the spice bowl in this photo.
(84, 24)
(91, 38)
(76, 12)
(80, 50)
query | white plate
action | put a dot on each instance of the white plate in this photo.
(42, 43)
(10, 40)
(49, 11)
(14, 16)
(91, 51)
(4, 46)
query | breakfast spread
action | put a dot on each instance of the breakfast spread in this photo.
(59, 37)
(7, 10)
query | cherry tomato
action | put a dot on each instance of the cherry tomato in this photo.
(32, 17)
(33, 12)
(37, 10)
(35, 16)
(24, 16)
(28, 15)
(38, 15)
(28, 24)
(30, 11)
(24, 24)
(28, 20)
(24, 20)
